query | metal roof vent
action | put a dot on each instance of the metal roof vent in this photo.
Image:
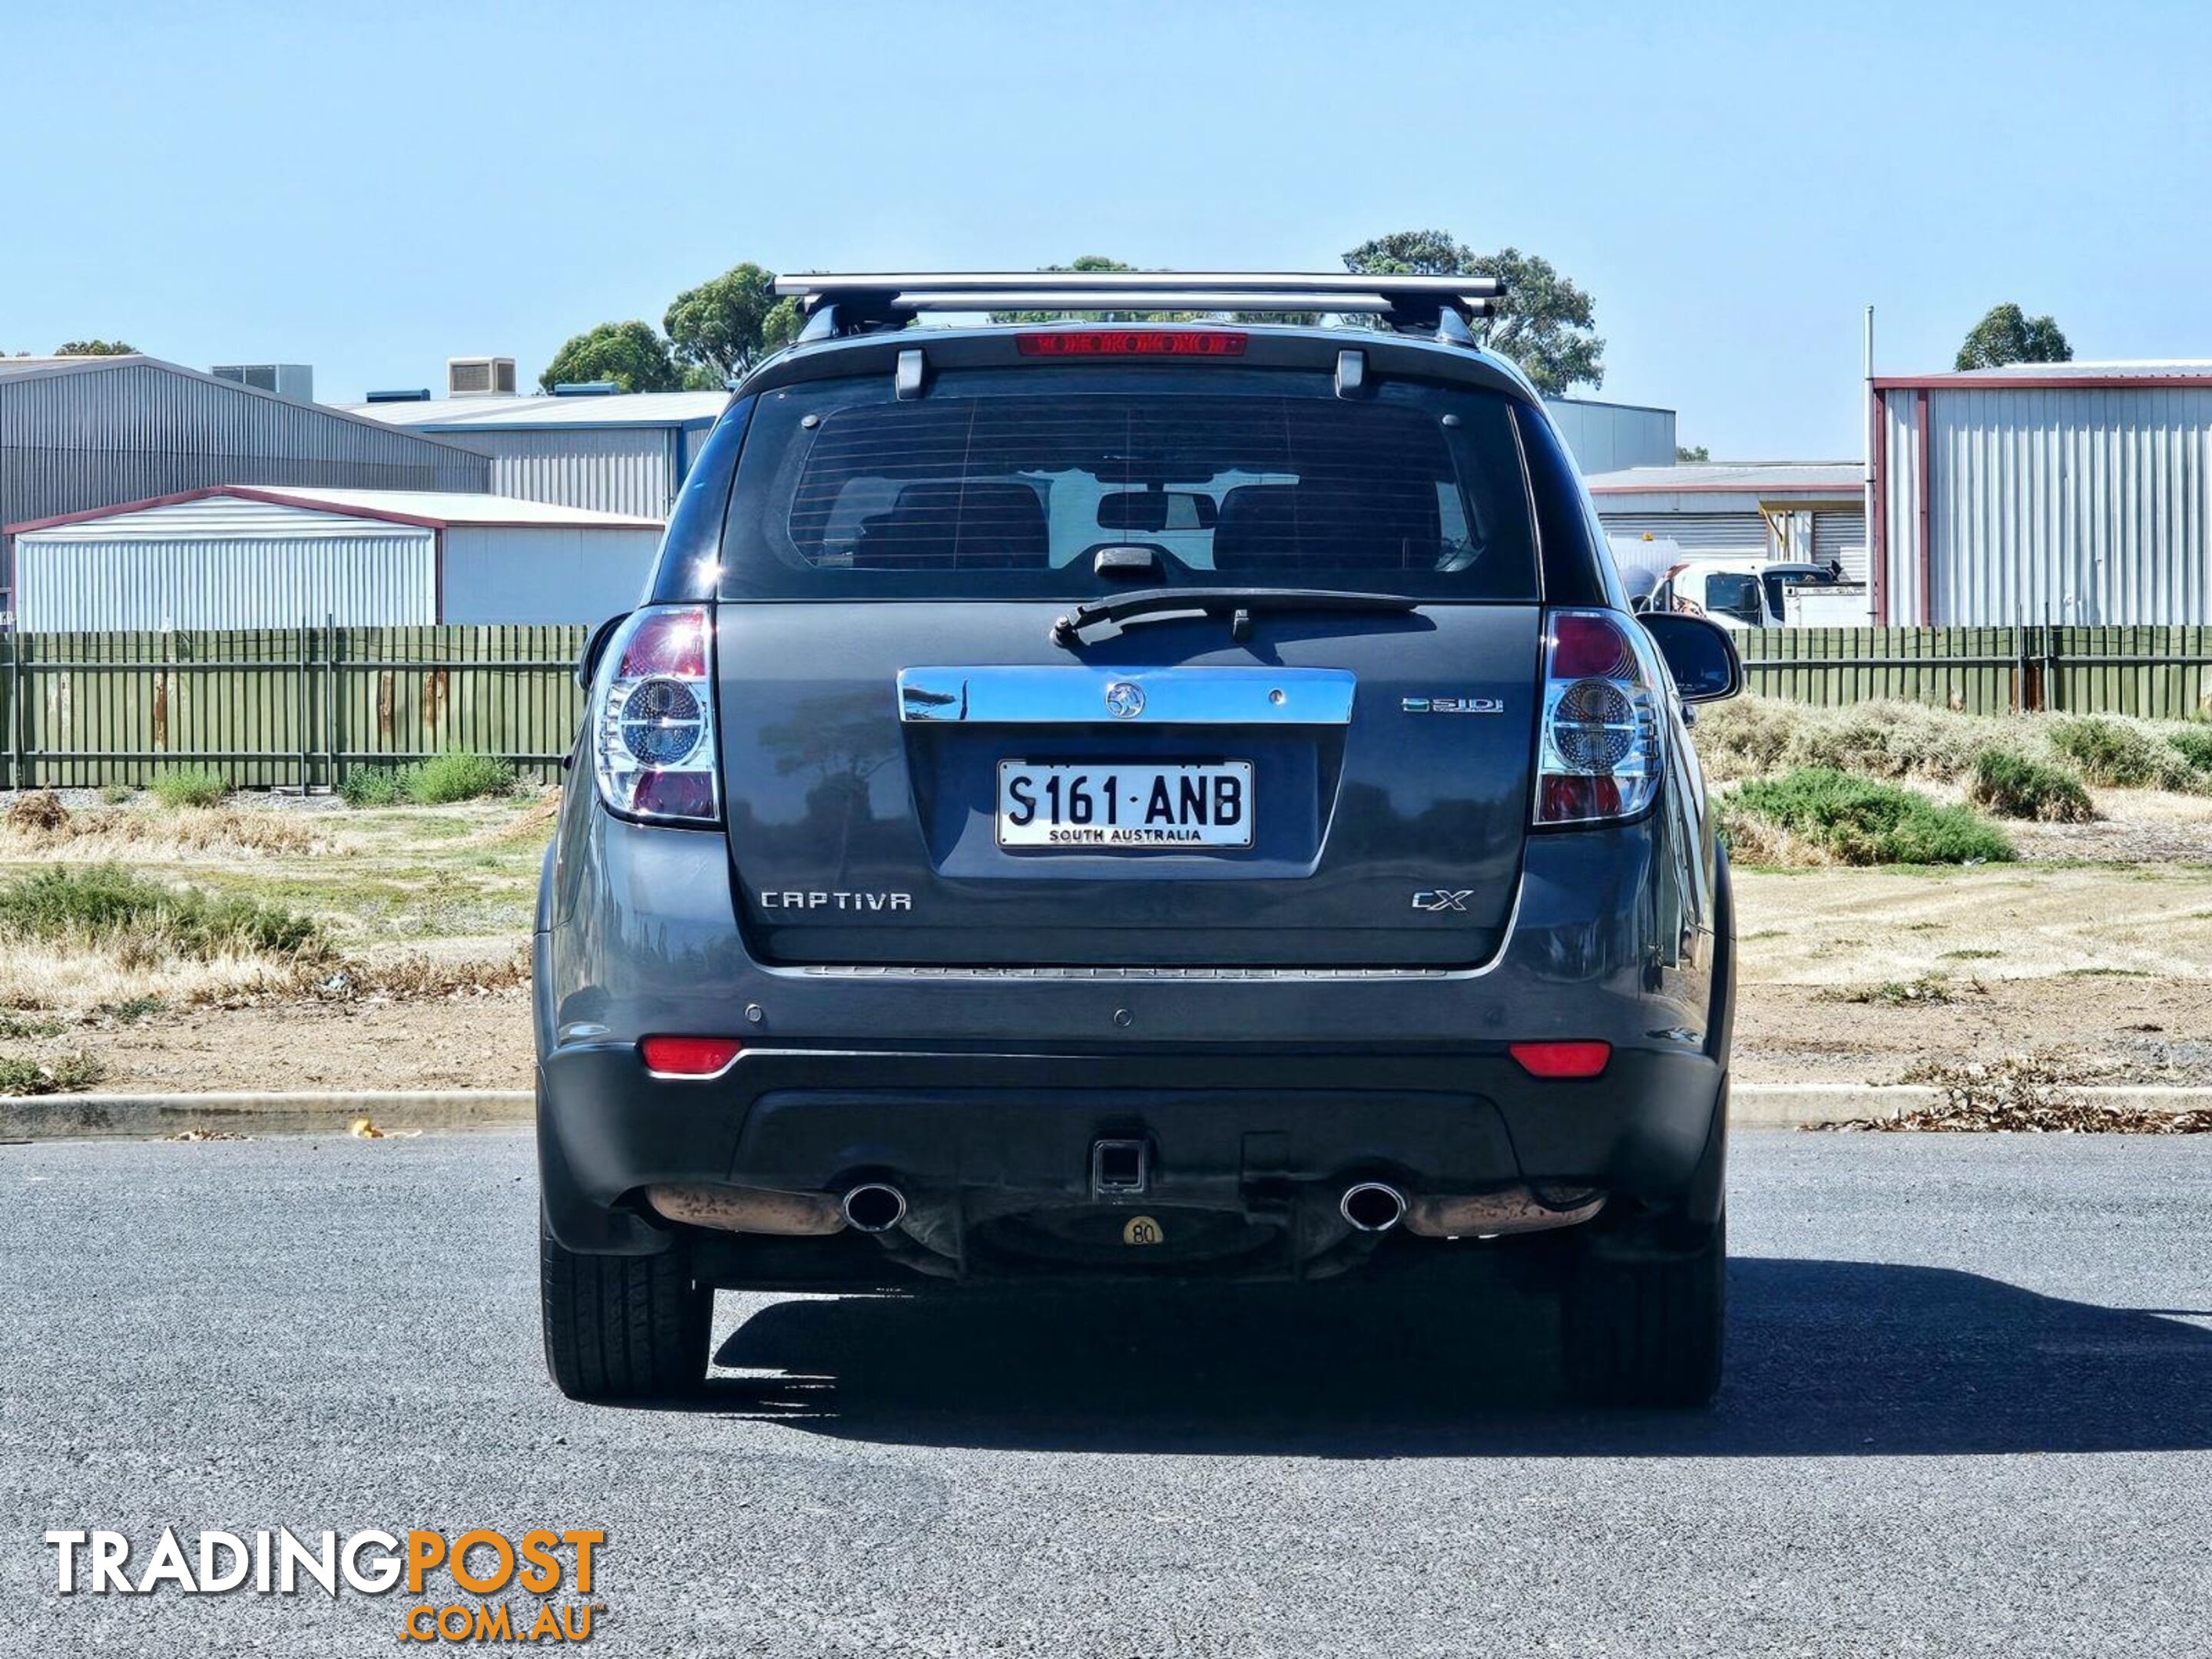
(585, 389)
(479, 377)
(293, 380)
(419, 394)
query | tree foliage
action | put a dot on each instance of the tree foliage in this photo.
(719, 329)
(1685, 456)
(629, 353)
(2006, 336)
(1101, 263)
(1545, 323)
(94, 349)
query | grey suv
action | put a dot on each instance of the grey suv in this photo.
(1161, 800)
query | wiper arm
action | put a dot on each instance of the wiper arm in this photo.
(1237, 603)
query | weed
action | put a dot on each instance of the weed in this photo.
(2104, 973)
(15, 1028)
(18, 1076)
(37, 812)
(2013, 786)
(1928, 991)
(145, 922)
(2195, 744)
(1820, 814)
(115, 794)
(190, 786)
(449, 778)
(365, 787)
(2121, 757)
(131, 1008)
(1970, 956)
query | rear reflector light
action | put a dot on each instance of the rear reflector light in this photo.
(689, 1056)
(1599, 758)
(1129, 343)
(652, 718)
(1562, 1060)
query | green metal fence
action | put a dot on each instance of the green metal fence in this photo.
(291, 707)
(2163, 673)
(304, 706)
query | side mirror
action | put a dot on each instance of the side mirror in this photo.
(588, 664)
(1699, 655)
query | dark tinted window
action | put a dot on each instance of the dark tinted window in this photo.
(1007, 484)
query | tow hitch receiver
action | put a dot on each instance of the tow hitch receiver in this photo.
(1121, 1169)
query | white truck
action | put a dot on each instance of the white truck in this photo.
(1740, 592)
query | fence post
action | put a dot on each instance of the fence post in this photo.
(17, 776)
(330, 745)
(2050, 699)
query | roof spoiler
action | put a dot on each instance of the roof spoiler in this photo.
(842, 305)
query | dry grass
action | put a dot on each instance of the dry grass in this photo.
(1758, 737)
(2038, 1094)
(37, 826)
(413, 977)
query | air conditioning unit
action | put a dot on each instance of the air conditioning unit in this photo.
(479, 377)
(293, 380)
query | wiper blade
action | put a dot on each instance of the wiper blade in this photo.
(1237, 603)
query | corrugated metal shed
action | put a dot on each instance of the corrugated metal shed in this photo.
(85, 432)
(2074, 492)
(1777, 509)
(624, 454)
(1607, 437)
(266, 558)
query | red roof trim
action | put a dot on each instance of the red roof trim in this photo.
(279, 496)
(1971, 382)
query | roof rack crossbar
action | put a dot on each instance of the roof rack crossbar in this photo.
(849, 303)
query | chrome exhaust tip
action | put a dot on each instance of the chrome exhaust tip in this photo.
(874, 1207)
(1371, 1206)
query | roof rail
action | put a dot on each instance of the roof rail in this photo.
(845, 304)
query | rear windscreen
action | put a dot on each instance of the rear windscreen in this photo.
(1057, 484)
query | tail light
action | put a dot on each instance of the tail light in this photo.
(689, 1056)
(1562, 1060)
(652, 718)
(1599, 755)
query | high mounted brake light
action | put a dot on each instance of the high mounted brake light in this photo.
(652, 715)
(1598, 755)
(1129, 343)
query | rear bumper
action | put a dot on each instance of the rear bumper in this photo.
(982, 1094)
(1270, 1139)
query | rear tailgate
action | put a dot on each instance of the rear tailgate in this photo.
(1376, 796)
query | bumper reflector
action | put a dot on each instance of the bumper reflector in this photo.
(1562, 1060)
(688, 1056)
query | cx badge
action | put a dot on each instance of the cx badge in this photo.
(1435, 899)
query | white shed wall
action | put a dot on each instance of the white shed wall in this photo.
(631, 470)
(495, 574)
(384, 576)
(1610, 437)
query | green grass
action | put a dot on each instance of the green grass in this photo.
(2117, 757)
(1970, 956)
(363, 788)
(449, 778)
(18, 1076)
(131, 1008)
(15, 1028)
(438, 781)
(115, 794)
(2012, 786)
(105, 904)
(1856, 820)
(190, 786)
(1928, 991)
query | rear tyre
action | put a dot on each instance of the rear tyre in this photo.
(1642, 1318)
(622, 1326)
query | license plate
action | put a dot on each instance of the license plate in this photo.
(1120, 808)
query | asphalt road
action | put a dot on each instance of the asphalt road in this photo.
(1967, 1411)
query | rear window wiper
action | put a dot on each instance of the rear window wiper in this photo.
(1236, 603)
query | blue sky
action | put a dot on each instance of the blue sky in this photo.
(373, 189)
